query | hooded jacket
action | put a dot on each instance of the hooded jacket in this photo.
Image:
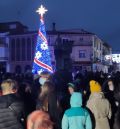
(76, 117)
(101, 110)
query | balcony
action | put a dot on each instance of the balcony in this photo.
(83, 43)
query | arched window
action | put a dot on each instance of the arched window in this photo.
(12, 50)
(29, 48)
(23, 45)
(18, 51)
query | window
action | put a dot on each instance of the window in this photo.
(29, 48)
(65, 40)
(82, 54)
(23, 44)
(81, 39)
(18, 51)
(12, 50)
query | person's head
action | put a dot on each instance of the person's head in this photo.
(9, 86)
(95, 87)
(71, 87)
(74, 86)
(47, 87)
(39, 120)
(44, 76)
(110, 85)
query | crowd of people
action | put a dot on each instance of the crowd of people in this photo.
(60, 100)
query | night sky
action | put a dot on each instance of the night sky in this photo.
(101, 17)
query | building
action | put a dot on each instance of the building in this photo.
(87, 49)
(107, 50)
(82, 49)
(4, 42)
(17, 47)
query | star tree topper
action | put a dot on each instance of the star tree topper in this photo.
(41, 10)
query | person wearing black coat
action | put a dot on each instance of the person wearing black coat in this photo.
(117, 114)
(11, 107)
(109, 89)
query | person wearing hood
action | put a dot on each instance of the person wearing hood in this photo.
(99, 106)
(109, 90)
(76, 117)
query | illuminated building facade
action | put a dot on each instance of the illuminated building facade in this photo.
(17, 46)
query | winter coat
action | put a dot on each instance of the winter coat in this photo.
(76, 117)
(101, 110)
(11, 112)
(117, 119)
(117, 115)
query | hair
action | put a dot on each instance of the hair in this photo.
(39, 120)
(47, 88)
(44, 95)
(45, 74)
(105, 86)
(8, 85)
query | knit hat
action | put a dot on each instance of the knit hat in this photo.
(95, 86)
(70, 84)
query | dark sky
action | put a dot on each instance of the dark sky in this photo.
(101, 17)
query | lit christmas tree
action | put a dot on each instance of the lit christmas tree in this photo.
(42, 60)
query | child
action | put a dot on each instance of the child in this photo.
(76, 117)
